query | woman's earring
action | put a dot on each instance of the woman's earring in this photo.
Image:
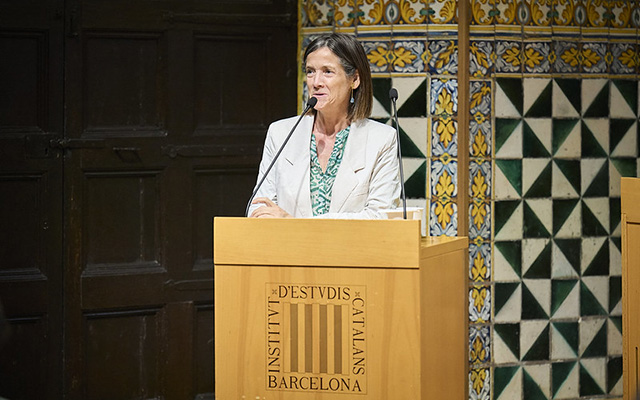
(352, 99)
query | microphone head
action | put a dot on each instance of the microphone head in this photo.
(312, 102)
(393, 94)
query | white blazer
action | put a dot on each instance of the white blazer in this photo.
(367, 180)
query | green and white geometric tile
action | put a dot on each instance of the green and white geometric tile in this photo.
(615, 296)
(508, 216)
(508, 138)
(566, 136)
(507, 382)
(565, 299)
(595, 137)
(566, 97)
(593, 376)
(536, 177)
(565, 340)
(506, 343)
(537, 137)
(595, 98)
(534, 340)
(411, 107)
(536, 97)
(508, 98)
(595, 294)
(537, 381)
(614, 336)
(593, 338)
(565, 258)
(614, 376)
(565, 178)
(624, 137)
(595, 256)
(536, 258)
(507, 302)
(594, 179)
(508, 179)
(595, 216)
(567, 218)
(536, 299)
(615, 256)
(624, 99)
(565, 380)
(507, 263)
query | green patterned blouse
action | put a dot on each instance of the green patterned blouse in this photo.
(322, 182)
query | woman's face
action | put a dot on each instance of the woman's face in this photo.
(328, 82)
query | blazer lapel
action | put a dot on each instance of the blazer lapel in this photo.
(296, 168)
(353, 160)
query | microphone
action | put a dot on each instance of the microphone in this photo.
(310, 104)
(393, 95)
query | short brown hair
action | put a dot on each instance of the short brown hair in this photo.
(352, 58)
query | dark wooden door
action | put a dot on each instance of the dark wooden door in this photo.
(165, 108)
(31, 111)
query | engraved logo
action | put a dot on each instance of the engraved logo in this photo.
(316, 338)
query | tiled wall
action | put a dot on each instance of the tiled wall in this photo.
(553, 125)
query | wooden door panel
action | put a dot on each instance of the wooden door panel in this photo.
(26, 355)
(30, 177)
(122, 222)
(122, 355)
(23, 101)
(124, 83)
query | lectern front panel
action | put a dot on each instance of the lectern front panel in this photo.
(321, 333)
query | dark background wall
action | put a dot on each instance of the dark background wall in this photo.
(125, 127)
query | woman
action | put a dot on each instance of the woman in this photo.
(338, 163)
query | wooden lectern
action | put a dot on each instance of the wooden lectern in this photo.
(630, 192)
(339, 309)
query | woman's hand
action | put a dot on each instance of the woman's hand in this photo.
(270, 210)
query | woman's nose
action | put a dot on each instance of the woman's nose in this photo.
(316, 81)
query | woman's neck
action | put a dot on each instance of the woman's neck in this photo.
(330, 125)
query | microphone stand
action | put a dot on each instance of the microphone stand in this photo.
(393, 95)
